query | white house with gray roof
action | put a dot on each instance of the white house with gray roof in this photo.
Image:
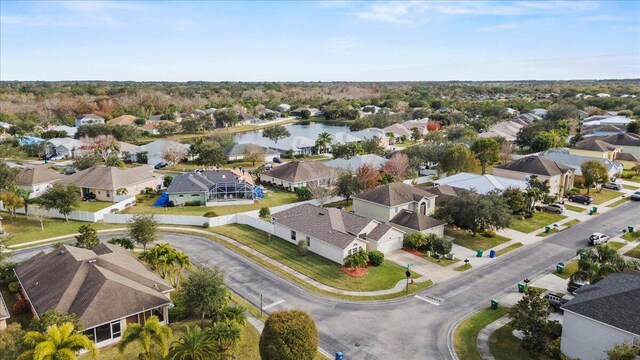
(482, 184)
(88, 119)
(333, 233)
(212, 187)
(352, 164)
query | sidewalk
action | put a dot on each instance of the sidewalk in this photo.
(484, 335)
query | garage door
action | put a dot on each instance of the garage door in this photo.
(390, 245)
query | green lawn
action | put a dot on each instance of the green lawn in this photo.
(635, 252)
(615, 245)
(24, 229)
(505, 346)
(619, 202)
(343, 203)
(315, 266)
(603, 196)
(631, 236)
(274, 197)
(463, 267)
(571, 223)
(631, 187)
(93, 206)
(508, 248)
(442, 262)
(570, 268)
(574, 208)
(466, 334)
(634, 177)
(474, 242)
(537, 221)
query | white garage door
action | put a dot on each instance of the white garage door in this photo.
(390, 245)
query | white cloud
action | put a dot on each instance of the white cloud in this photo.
(501, 27)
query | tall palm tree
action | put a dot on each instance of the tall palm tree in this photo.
(226, 334)
(167, 261)
(596, 263)
(147, 335)
(57, 343)
(194, 344)
(323, 140)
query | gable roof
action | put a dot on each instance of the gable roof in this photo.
(394, 194)
(90, 116)
(239, 149)
(352, 164)
(397, 129)
(68, 143)
(613, 301)
(331, 225)
(415, 221)
(123, 120)
(98, 285)
(302, 171)
(604, 130)
(444, 192)
(481, 184)
(536, 165)
(622, 139)
(595, 144)
(159, 146)
(562, 156)
(110, 178)
(196, 181)
(37, 175)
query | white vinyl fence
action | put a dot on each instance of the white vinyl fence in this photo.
(84, 215)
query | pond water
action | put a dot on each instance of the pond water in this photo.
(311, 131)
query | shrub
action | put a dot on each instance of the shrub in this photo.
(6, 271)
(289, 335)
(550, 199)
(528, 214)
(376, 258)
(210, 214)
(578, 184)
(148, 190)
(166, 181)
(192, 203)
(441, 246)
(520, 217)
(205, 225)
(14, 287)
(415, 241)
(179, 311)
(572, 191)
(265, 212)
(553, 349)
(359, 259)
(489, 233)
(302, 247)
(303, 193)
(21, 304)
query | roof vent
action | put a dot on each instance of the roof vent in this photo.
(61, 252)
(92, 261)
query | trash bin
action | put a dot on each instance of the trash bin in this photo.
(492, 254)
(494, 304)
(547, 229)
(594, 209)
(560, 267)
(339, 355)
(591, 212)
(522, 287)
(630, 228)
(479, 253)
(429, 253)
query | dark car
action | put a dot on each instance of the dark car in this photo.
(277, 160)
(636, 196)
(70, 171)
(89, 197)
(582, 199)
(575, 284)
(48, 156)
(161, 165)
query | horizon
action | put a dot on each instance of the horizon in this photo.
(337, 41)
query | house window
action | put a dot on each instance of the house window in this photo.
(293, 235)
(103, 332)
(90, 334)
(108, 195)
(115, 329)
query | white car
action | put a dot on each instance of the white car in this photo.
(57, 157)
(555, 208)
(598, 239)
(613, 186)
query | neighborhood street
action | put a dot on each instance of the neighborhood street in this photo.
(418, 327)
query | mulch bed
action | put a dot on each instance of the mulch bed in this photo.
(355, 272)
(414, 252)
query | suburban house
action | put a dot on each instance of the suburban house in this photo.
(283, 107)
(562, 156)
(295, 145)
(398, 131)
(123, 120)
(420, 124)
(239, 151)
(595, 147)
(114, 184)
(66, 147)
(4, 314)
(629, 142)
(156, 150)
(560, 177)
(300, 173)
(298, 112)
(598, 120)
(539, 112)
(603, 130)
(482, 184)
(345, 138)
(37, 179)
(333, 233)
(70, 130)
(444, 192)
(107, 288)
(352, 164)
(628, 160)
(400, 205)
(246, 118)
(370, 133)
(507, 130)
(602, 315)
(212, 187)
(152, 126)
(88, 119)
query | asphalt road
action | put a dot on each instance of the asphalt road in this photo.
(408, 328)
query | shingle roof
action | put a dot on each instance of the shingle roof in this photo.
(110, 178)
(627, 157)
(355, 162)
(595, 144)
(196, 181)
(613, 301)
(573, 161)
(37, 175)
(622, 139)
(481, 184)
(302, 171)
(90, 116)
(123, 120)
(332, 226)
(240, 149)
(394, 194)
(97, 285)
(535, 165)
(397, 129)
(414, 220)
(444, 192)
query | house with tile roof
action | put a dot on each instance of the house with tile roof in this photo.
(37, 179)
(105, 182)
(560, 177)
(124, 120)
(106, 287)
(601, 316)
(334, 233)
(482, 184)
(300, 173)
(212, 187)
(403, 206)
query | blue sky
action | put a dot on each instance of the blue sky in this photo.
(319, 41)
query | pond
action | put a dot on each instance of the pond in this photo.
(311, 131)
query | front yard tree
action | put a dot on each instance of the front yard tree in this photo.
(152, 337)
(476, 212)
(203, 291)
(57, 342)
(530, 315)
(324, 139)
(87, 237)
(208, 152)
(321, 193)
(175, 153)
(397, 166)
(104, 146)
(305, 114)
(369, 176)
(63, 198)
(415, 134)
(8, 176)
(289, 335)
(254, 153)
(372, 146)
(11, 202)
(594, 173)
(347, 185)
(516, 200)
(487, 151)
(456, 158)
(143, 229)
(594, 264)
(276, 133)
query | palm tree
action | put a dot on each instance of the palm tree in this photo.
(57, 343)
(167, 261)
(194, 344)
(152, 332)
(323, 140)
(598, 262)
(237, 314)
(226, 334)
(122, 191)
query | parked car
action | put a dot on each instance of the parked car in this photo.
(636, 196)
(575, 284)
(598, 239)
(48, 156)
(161, 165)
(582, 199)
(277, 160)
(70, 171)
(557, 300)
(57, 157)
(89, 197)
(555, 208)
(613, 186)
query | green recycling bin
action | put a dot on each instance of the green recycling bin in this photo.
(547, 229)
(560, 268)
(479, 253)
(522, 287)
(630, 228)
(594, 209)
(494, 304)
